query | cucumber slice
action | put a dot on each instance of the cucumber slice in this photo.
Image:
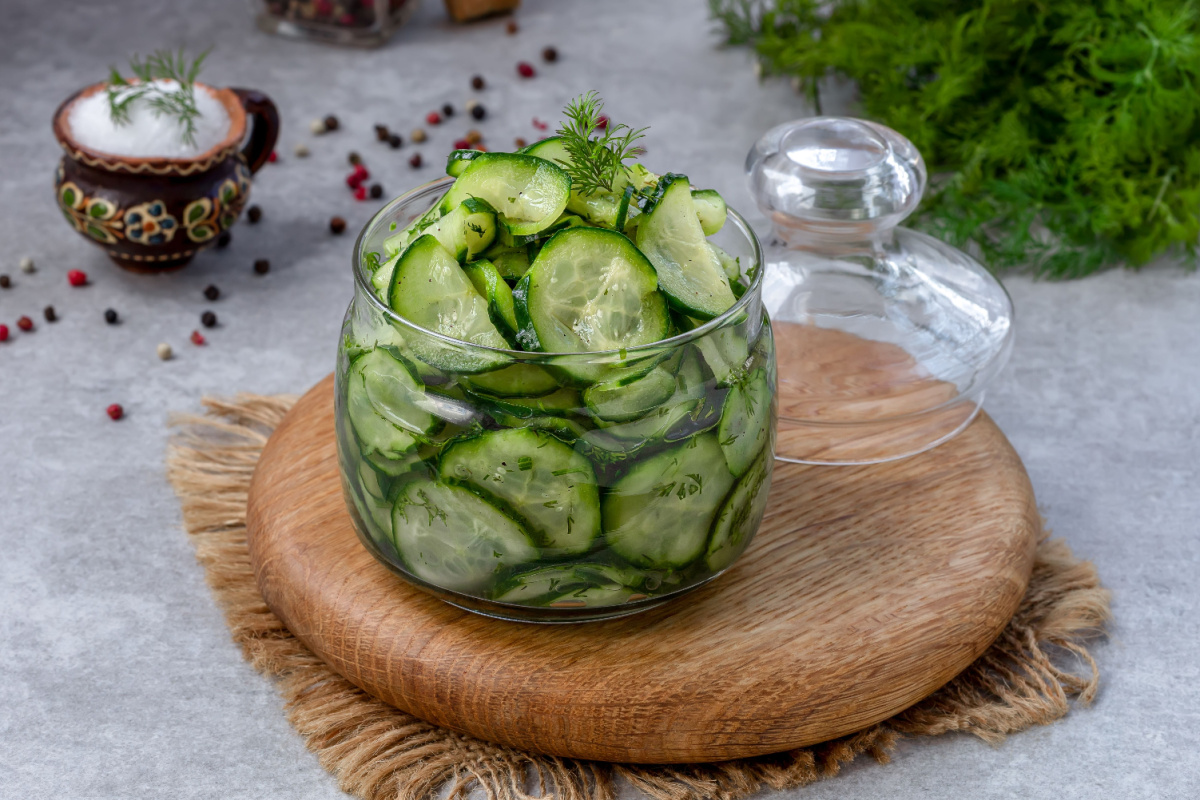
(660, 513)
(724, 350)
(511, 262)
(398, 242)
(567, 220)
(559, 403)
(395, 393)
(467, 230)
(732, 267)
(623, 208)
(528, 192)
(543, 480)
(589, 290)
(601, 208)
(583, 585)
(566, 430)
(710, 210)
(381, 279)
(517, 380)
(458, 160)
(375, 433)
(491, 287)
(430, 289)
(454, 539)
(741, 514)
(394, 467)
(629, 398)
(375, 514)
(745, 421)
(688, 271)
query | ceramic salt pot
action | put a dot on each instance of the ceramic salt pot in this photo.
(154, 213)
(886, 337)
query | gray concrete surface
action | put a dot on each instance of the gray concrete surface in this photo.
(117, 675)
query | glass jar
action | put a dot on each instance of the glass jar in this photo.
(497, 480)
(358, 22)
(887, 338)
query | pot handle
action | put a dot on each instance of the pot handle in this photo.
(265, 128)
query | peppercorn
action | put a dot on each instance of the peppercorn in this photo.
(519, 142)
(50, 314)
(550, 55)
(415, 161)
(382, 133)
(208, 319)
(331, 123)
(395, 141)
(27, 265)
(511, 27)
(473, 136)
(433, 118)
(354, 158)
(164, 351)
(110, 316)
(602, 122)
(462, 144)
(212, 292)
(301, 150)
(262, 266)
(273, 157)
(253, 214)
(197, 338)
(77, 277)
(337, 225)
(418, 135)
(3, 333)
(25, 324)
(478, 112)
(525, 69)
(447, 110)
(223, 239)
(317, 126)
(5, 282)
(376, 191)
(477, 83)
(115, 412)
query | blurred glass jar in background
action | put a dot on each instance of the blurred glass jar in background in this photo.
(368, 23)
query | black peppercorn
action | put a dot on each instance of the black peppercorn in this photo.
(448, 110)
(550, 54)
(253, 214)
(376, 191)
(331, 123)
(382, 133)
(395, 141)
(477, 83)
(223, 239)
(478, 111)
(208, 319)
(212, 292)
(262, 266)
(337, 224)
(110, 316)
(354, 158)
(50, 314)
(5, 282)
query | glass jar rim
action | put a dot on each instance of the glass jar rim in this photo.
(363, 284)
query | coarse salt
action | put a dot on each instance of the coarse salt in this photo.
(148, 134)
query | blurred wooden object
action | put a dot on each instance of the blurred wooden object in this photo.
(467, 10)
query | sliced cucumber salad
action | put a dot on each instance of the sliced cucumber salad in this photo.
(602, 471)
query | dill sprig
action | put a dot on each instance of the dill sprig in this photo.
(1062, 137)
(161, 65)
(596, 153)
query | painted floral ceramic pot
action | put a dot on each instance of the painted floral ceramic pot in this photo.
(154, 214)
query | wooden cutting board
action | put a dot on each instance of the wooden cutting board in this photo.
(865, 590)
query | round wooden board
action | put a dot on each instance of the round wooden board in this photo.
(866, 589)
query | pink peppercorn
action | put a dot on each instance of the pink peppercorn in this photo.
(115, 412)
(273, 157)
(197, 338)
(462, 144)
(25, 324)
(77, 277)
(541, 126)
(525, 69)
(3, 333)
(602, 122)
(433, 118)
(360, 192)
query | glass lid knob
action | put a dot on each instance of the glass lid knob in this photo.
(835, 175)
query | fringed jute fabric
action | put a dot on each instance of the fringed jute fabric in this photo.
(377, 751)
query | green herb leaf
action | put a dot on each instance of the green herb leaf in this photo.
(595, 155)
(162, 65)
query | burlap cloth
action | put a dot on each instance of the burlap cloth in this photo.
(377, 751)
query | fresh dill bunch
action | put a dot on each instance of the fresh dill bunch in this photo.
(161, 65)
(1062, 137)
(596, 154)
